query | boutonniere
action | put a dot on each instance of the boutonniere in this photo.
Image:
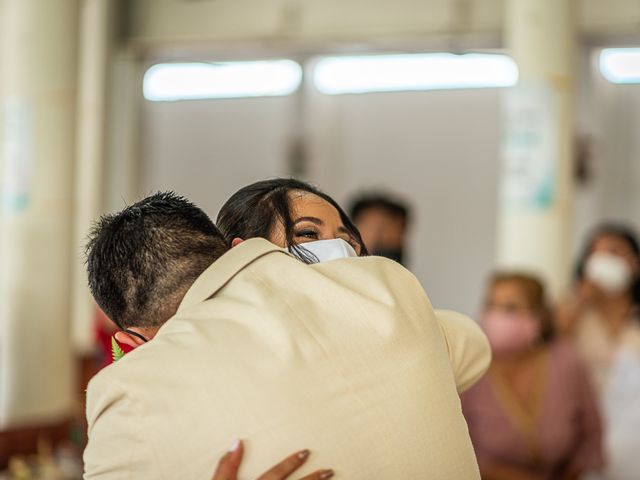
(116, 352)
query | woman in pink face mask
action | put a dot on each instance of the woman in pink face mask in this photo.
(533, 416)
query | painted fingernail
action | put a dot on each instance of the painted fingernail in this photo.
(234, 446)
(327, 474)
(303, 454)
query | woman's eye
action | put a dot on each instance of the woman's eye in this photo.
(307, 234)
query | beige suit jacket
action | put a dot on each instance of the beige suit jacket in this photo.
(346, 358)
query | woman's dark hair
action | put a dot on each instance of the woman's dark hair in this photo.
(533, 290)
(254, 210)
(620, 231)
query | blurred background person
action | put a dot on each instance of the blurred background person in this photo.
(602, 317)
(383, 222)
(534, 415)
(602, 311)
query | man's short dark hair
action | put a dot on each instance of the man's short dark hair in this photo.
(379, 201)
(141, 261)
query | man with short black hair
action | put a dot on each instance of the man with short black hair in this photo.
(346, 357)
(142, 260)
(383, 222)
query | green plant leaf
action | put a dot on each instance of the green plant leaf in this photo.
(116, 352)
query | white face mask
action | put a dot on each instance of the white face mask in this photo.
(324, 250)
(610, 272)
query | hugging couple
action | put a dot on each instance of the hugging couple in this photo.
(275, 327)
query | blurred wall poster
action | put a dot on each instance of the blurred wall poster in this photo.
(529, 147)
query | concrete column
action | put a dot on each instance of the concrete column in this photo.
(37, 149)
(535, 207)
(96, 24)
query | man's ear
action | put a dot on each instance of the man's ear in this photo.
(236, 241)
(128, 339)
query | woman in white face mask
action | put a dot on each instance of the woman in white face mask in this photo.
(534, 415)
(294, 215)
(602, 313)
(603, 319)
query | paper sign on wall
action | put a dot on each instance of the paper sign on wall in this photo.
(529, 148)
(17, 154)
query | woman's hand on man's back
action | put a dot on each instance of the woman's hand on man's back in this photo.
(230, 463)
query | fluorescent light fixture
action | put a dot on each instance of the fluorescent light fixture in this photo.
(190, 81)
(620, 65)
(411, 72)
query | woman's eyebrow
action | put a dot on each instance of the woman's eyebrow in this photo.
(315, 220)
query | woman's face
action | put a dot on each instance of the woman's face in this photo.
(616, 246)
(507, 297)
(509, 322)
(313, 219)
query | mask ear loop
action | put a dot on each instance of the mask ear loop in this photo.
(136, 334)
(302, 254)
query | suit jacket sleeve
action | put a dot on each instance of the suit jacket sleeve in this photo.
(468, 347)
(115, 430)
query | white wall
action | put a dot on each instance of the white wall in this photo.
(439, 150)
(208, 149)
(610, 115)
(617, 148)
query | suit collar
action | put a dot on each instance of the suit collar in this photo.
(225, 268)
